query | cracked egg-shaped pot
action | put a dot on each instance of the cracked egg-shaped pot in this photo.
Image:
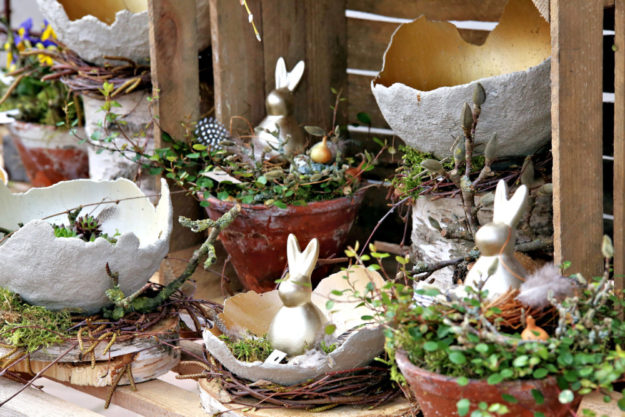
(69, 273)
(429, 72)
(98, 28)
(252, 312)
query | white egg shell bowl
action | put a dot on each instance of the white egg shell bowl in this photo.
(69, 273)
(252, 312)
(430, 71)
(96, 28)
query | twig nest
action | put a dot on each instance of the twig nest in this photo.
(252, 312)
(97, 28)
(429, 72)
(60, 273)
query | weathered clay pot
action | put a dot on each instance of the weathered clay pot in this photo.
(256, 240)
(438, 394)
(49, 154)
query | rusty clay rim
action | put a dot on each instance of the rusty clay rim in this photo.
(223, 206)
(404, 363)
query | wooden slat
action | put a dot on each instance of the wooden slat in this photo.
(619, 143)
(576, 77)
(543, 6)
(175, 80)
(367, 40)
(483, 10)
(35, 403)
(361, 99)
(153, 398)
(313, 31)
(174, 64)
(238, 63)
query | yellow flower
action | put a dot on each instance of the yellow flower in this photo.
(48, 33)
(44, 59)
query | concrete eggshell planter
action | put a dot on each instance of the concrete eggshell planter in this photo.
(98, 28)
(49, 154)
(429, 72)
(256, 240)
(438, 394)
(60, 273)
(253, 312)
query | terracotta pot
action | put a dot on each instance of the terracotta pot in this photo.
(256, 240)
(438, 394)
(49, 154)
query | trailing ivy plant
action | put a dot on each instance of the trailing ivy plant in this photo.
(459, 337)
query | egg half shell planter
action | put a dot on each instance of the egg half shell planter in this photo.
(429, 72)
(97, 28)
(253, 312)
(60, 273)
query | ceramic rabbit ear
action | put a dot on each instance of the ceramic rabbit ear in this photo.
(509, 211)
(282, 80)
(295, 76)
(292, 251)
(309, 257)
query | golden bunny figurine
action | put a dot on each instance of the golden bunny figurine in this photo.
(279, 120)
(298, 324)
(495, 241)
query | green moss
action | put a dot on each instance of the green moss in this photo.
(30, 327)
(250, 349)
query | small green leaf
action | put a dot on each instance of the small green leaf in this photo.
(329, 304)
(462, 381)
(364, 118)
(463, 407)
(509, 398)
(457, 357)
(330, 328)
(538, 397)
(540, 373)
(430, 346)
(494, 379)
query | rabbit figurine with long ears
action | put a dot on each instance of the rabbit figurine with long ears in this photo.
(299, 323)
(279, 128)
(497, 264)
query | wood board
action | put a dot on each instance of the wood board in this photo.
(576, 115)
(619, 144)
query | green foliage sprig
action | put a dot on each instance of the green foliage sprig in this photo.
(460, 337)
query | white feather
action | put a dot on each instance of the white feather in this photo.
(534, 292)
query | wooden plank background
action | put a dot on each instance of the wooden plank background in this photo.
(619, 143)
(576, 114)
(310, 30)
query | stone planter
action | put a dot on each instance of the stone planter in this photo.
(252, 312)
(49, 154)
(438, 394)
(256, 240)
(69, 273)
(429, 72)
(96, 28)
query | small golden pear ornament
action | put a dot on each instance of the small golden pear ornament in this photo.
(321, 152)
(532, 331)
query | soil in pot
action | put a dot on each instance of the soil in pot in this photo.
(49, 154)
(438, 395)
(256, 240)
